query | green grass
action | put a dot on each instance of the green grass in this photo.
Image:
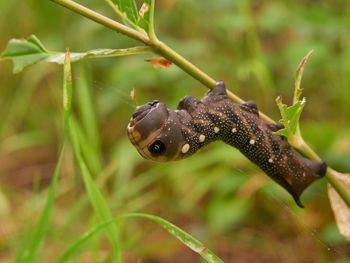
(31, 244)
(184, 237)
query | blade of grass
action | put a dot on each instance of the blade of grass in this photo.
(184, 237)
(90, 141)
(97, 200)
(29, 253)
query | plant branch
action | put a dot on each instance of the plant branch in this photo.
(158, 46)
(165, 51)
(339, 188)
(103, 20)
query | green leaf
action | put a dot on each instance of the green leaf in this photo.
(129, 7)
(290, 117)
(184, 237)
(126, 9)
(28, 52)
(282, 132)
(28, 253)
(24, 52)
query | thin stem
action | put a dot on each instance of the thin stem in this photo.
(103, 20)
(151, 31)
(332, 180)
(304, 148)
(165, 51)
(184, 64)
(158, 46)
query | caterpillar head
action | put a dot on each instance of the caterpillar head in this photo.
(156, 132)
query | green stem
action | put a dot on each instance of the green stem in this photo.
(158, 46)
(334, 182)
(103, 20)
(151, 31)
(165, 51)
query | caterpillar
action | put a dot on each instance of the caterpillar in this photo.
(161, 134)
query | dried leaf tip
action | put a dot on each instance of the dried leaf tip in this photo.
(159, 62)
(304, 60)
(144, 8)
(67, 56)
(132, 94)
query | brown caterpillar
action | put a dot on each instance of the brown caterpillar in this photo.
(161, 134)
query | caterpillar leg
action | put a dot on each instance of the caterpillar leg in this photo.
(250, 106)
(275, 126)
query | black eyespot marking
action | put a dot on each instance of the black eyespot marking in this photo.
(157, 147)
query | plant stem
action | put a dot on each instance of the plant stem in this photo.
(103, 20)
(165, 51)
(158, 46)
(151, 31)
(332, 180)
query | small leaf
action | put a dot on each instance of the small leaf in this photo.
(159, 62)
(24, 52)
(129, 7)
(98, 53)
(282, 132)
(126, 9)
(340, 209)
(28, 52)
(290, 117)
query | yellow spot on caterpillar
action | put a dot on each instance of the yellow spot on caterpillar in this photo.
(201, 138)
(234, 130)
(270, 160)
(252, 141)
(185, 148)
(216, 129)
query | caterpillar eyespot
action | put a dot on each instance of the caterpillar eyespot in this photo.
(157, 147)
(161, 134)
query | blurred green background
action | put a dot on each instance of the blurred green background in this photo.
(216, 195)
